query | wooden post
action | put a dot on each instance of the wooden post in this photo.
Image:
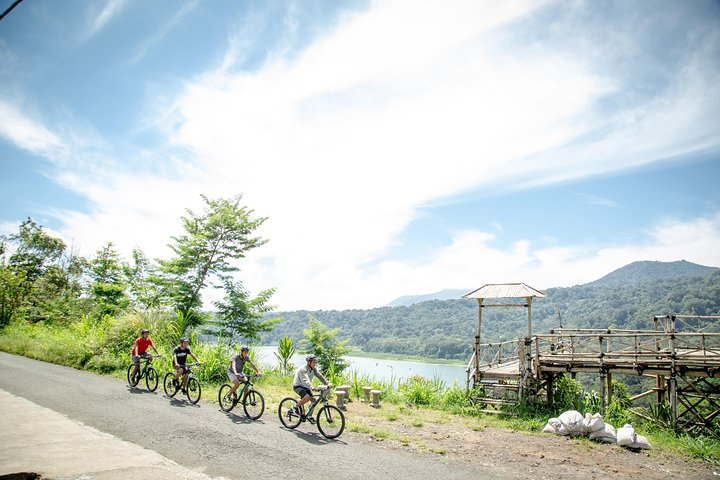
(529, 307)
(609, 388)
(602, 392)
(549, 389)
(477, 343)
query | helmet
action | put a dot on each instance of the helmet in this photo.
(145, 330)
(310, 357)
(184, 339)
(245, 348)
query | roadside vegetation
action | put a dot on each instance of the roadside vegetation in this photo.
(59, 307)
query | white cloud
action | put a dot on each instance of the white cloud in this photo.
(398, 106)
(29, 134)
(99, 19)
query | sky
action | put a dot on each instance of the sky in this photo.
(397, 147)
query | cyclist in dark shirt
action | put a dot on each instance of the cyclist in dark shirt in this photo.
(180, 357)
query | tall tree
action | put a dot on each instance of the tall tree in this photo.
(145, 284)
(240, 315)
(108, 285)
(213, 239)
(40, 280)
(321, 341)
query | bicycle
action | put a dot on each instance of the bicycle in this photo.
(171, 385)
(252, 401)
(329, 420)
(147, 371)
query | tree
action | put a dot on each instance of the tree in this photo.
(321, 341)
(212, 240)
(145, 285)
(39, 279)
(108, 287)
(240, 315)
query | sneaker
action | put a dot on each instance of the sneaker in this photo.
(311, 420)
(176, 384)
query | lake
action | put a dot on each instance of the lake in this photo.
(380, 369)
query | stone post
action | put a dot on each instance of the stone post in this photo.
(376, 398)
(340, 399)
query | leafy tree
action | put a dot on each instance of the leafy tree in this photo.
(145, 285)
(240, 315)
(108, 286)
(223, 232)
(321, 341)
(39, 280)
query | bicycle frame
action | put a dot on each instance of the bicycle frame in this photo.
(322, 397)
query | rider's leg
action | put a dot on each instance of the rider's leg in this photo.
(236, 384)
(304, 400)
(136, 361)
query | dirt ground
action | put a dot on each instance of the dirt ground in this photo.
(514, 454)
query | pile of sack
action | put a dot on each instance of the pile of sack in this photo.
(572, 423)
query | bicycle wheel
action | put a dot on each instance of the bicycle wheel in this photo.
(151, 379)
(254, 404)
(226, 402)
(330, 421)
(287, 414)
(170, 388)
(193, 390)
(132, 380)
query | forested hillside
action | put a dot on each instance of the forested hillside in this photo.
(445, 329)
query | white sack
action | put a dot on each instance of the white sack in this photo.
(605, 434)
(572, 423)
(641, 442)
(626, 435)
(548, 428)
(593, 423)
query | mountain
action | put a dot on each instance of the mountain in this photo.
(627, 298)
(447, 294)
(646, 271)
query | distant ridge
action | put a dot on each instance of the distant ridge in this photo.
(647, 271)
(633, 273)
(447, 294)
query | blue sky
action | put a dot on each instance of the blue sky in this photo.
(398, 147)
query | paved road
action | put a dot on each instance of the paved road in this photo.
(206, 440)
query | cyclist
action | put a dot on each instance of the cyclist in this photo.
(235, 370)
(139, 350)
(302, 384)
(180, 357)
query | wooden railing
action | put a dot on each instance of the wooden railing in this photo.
(638, 348)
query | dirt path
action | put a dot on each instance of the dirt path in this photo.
(520, 454)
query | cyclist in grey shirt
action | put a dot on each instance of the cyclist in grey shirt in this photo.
(302, 384)
(235, 370)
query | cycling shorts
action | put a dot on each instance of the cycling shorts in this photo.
(302, 391)
(242, 378)
(136, 358)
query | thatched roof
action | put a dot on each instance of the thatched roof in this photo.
(504, 290)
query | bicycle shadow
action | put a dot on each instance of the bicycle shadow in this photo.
(181, 402)
(242, 419)
(136, 390)
(314, 437)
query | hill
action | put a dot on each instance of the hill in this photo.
(447, 294)
(646, 271)
(446, 328)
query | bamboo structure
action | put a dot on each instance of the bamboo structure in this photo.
(684, 359)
